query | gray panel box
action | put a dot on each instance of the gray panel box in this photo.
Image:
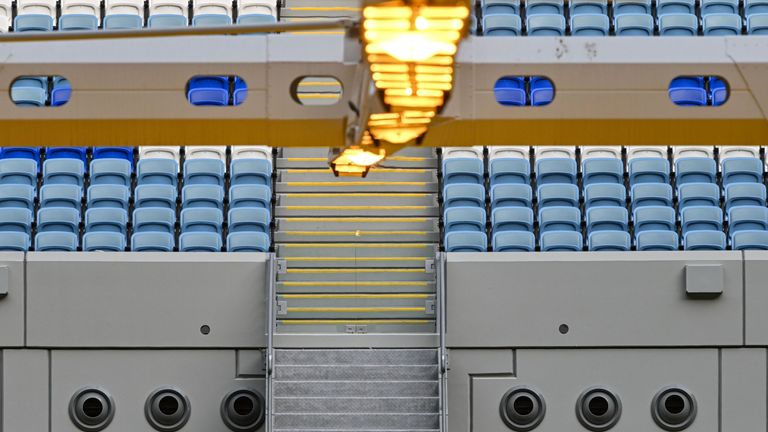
(11, 299)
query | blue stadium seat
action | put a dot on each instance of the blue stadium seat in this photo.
(590, 25)
(241, 91)
(600, 241)
(56, 241)
(61, 219)
(202, 196)
(746, 240)
(719, 7)
(63, 171)
(201, 220)
(537, 7)
(740, 194)
(698, 194)
(704, 240)
(588, 7)
(248, 19)
(29, 90)
(17, 196)
(511, 195)
(561, 241)
(604, 194)
(463, 170)
(542, 91)
(154, 219)
(545, 25)
(753, 7)
(123, 22)
(464, 195)
(724, 24)
(664, 7)
(555, 170)
(108, 195)
(157, 171)
(211, 20)
(106, 219)
(718, 90)
(654, 218)
(512, 219)
(621, 7)
(607, 219)
(466, 241)
(167, 21)
(16, 220)
(497, 24)
(14, 241)
(742, 170)
(705, 218)
(648, 170)
(61, 91)
(78, 22)
(464, 219)
(156, 195)
(657, 241)
(603, 170)
(509, 7)
(247, 242)
(20, 153)
(113, 153)
(152, 241)
(747, 218)
(37, 22)
(61, 195)
(111, 171)
(513, 241)
(251, 171)
(66, 153)
(104, 241)
(634, 24)
(249, 219)
(679, 24)
(757, 24)
(695, 170)
(204, 171)
(250, 196)
(559, 219)
(688, 91)
(509, 170)
(208, 90)
(200, 242)
(558, 195)
(18, 171)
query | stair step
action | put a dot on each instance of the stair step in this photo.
(370, 357)
(285, 287)
(362, 236)
(365, 250)
(360, 306)
(374, 175)
(356, 373)
(355, 185)
(356, 274)
(395, 161)
(356, 388)
(362, 224)
(355, 210)
(390, 326)
(360, 199)
(368, 420)
(357, 405)
(302, 152)
(356, 430)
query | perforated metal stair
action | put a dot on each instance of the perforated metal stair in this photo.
(356, 255)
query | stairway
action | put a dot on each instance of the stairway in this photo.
(360, 390)
(356, 255)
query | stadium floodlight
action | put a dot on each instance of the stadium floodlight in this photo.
(410, 47)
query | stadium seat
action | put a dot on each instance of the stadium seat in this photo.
(545, 25)
(247, 242)
(723, 24)
(555, 170)
(747, 218)
(61, 195)
(58, 219)
(602, 170)
(688, 91)
(211, 196)
(679, 24)
(123, 14)
(752, 7)
(106, 220)
(464, 195)
(249, 219)
(555, 152)
(719, 7)
(14, 241)
(34, 15)
(757, 24)
(621, 7)
(695, 170)
(746, 240)
(590, 25)
(609, 241)
(559, 219)
(66, 153)
(654, 218)
(664, 7)
(558, 195)
(15, 220)
(588, 7)
(597, 152)
(509, 170)
(208, 90)
(61, 91)
(636, 152)
(157, 171)
(542, 91)
(511, 93)
(154, 219)
(508, 152)
(201, 220)
(651, 194)
(111, 172)
(113, 153)
(200, 242)
(740, 194)
(256, 11)
(466, 241)
(704, 240)
(512, 219)
(561, 241)
(206, 152)
(32, 153)
(701, 219)
(513, 241)
(165, 152)
(29, 91)
(693, 152)
(607, 219)
(156, 195)
(250, 196)
(241, 91)
(80, 14)
(604, 194)
(63, 171)
(546, 7)
(511, 195)
(211, 13)
(657, 241)
(698, 194)
(742, 170)
(509, 7)
(633, 24)
(56, 241)
(464, 219)
(18, 171)
(253, 171)
(718, 90)
(152, 241)
(108, 195)
(168, 13)
(104, 241)
(256, 19)
(462, 170)
(6, 15)
(17, 196)
(252, 152)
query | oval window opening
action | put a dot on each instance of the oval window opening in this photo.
(316, 90)
(39, 91)
(524, 91)
(216, 90)
(698, 91)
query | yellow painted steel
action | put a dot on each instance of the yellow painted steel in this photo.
(356, 309)
(359, 270)
(354, 296)
(353, 233)
(355, 283)
(355, 219)
(353, 207)
(384, 321)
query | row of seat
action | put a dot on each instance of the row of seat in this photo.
(630, 17)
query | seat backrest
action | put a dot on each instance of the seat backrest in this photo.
(212, 7)
(463, 152)
(521, 152)
(535, 7)
(252, 152)
(678, 24)
(692, 151)
(259, 7)
(169, 7)
(125, 7)
(634, 24)
(160, 153)
(646, 151)
(631, 7)
(85, 7)
(555, 152)
(588, 7)
(719, 7)
(6, 15)
(203, 152)
(589, 152)
(41, 7)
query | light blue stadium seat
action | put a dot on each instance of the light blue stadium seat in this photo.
(56, 241)
(61, 195)
(719, 7)
(156, 195)
(634, 24)
(200, 242)
(704, 218)
(704, 240)
(718, 90)
(605, 194)
(590, 25)
(748, 227)
(746, 240)
(250, 219)
(211, 20)
(202, 196)
(723, 24)
(740, 194)
(600, 241)
(555, 170)
(559, 219)
(154, 219)
(18, 171)
(675, 7)
(558, 195)
(688, 91)
(58, 219)
(513, 241)
(588, 7)
(509, 7)
(657, 241)
(466, 241)
(464, 219)
(113, 153)
(123, 22)
(208, 91)
(251, 171)
(32, 153)
(648, 170)
(651, 194)
(167, 21)
(511, 195)
(29, 91)
(622, 7)
(250, 196)
(106, 220)
(17, 196)
(654, 218)
(757, 24)
(157, 171)
(247, 242)
(512, 219)
(18, 220)
(542, 91)
(241, 91)
(33, 23)
(204, 171)
(108, 195)
(463, 170)
(509, 170)
(255, 19)
(695, 170)
(537, 7)
(679, 24)
(78, 22)
(561, 241)
(603, 170)
(152, 241)
(464, 195)
(61, 91)
(201, 220)
(111, 172)
(104, 241)
(498, 24)
(66, 153)
(14, 241)
(742, 170)
(752, 7)
(607, 219)
(698, 194)
(63, 171)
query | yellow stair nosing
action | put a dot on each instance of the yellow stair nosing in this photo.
(356, 309)
(354, 296)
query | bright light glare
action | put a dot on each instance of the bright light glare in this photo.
(412, 47)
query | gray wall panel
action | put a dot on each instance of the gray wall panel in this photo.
(12, 303)
(755, 297)
(744, 389)
(25, 391)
